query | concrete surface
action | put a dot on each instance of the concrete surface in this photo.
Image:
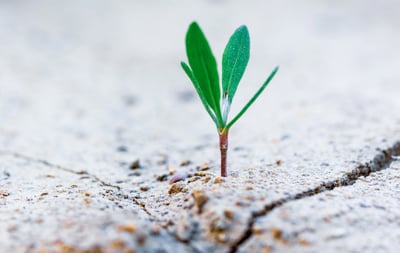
(96, 114)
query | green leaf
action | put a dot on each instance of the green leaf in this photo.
(251, 101)
(234, 62)
(204, 68)
(189, 73)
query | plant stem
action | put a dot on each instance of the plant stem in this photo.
(223, 147)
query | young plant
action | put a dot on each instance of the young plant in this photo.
(202, 71)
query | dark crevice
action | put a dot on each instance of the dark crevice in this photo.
(184, 241)
(56, 166)
(59, 167)
(380, 162)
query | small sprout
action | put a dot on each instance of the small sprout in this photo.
(203, 72)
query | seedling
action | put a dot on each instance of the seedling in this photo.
(202, 71)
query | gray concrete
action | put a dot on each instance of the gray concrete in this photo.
(86, 89)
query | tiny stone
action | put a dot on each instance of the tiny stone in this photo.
(129, 228)
(144, 188)
(228, 214)
(4, 193)
(162, 177)
(155, 230)
(276, 233)
(129, 100)
(141, 239)
(192, 179)
(185, 163)
(199, 198)
(178, 176)
(303, 242)
(175, 188)
(171, 170)
(218, 180)
(136, 173)
(186, 96)
(135, 165)
(122, 149)
(6, 174)
(115, 244)
(257, 230)
(206, 179)
(284, 137)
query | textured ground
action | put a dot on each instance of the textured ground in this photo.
(96, 115)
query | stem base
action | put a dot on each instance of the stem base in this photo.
(223, 147)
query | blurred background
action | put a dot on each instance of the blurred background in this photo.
(106, 71)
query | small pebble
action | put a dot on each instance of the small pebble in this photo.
(129, 228)
(4, 193)
(228, 214)
(218, 180)
(115, 244)
(178, 176)
(162, 177)
(122, 149)
(136, 173)
(144, 188)
(185, 163)
(206, 179)
(193, 179)
(200, 198)
(171, 170)
(201, 173)
(175, 188)
(135, 165)
(141, 239)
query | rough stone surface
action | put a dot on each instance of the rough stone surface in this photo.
(104, 146)
(363, 217)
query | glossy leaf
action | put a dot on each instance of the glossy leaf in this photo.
(204, 68)
(234, 62)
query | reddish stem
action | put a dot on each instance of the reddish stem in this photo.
(223, 147)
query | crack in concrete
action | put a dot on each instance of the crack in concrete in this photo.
(380, 162)
(56, 166)
(83, 172)
(143, 206)
(184, 241)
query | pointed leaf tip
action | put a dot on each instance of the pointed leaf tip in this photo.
(204, 68)
(235, 59)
